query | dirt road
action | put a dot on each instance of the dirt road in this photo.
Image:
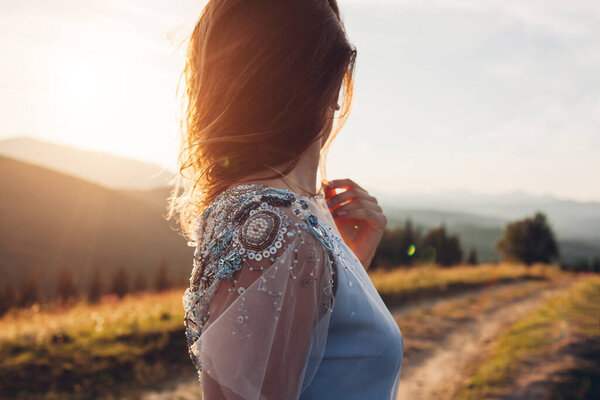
(439, 374)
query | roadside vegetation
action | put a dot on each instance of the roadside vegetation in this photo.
(401, 286)
(119, 345)
(567, 322)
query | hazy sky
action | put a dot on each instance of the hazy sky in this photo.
(486, 96)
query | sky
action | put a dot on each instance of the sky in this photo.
(486, 96)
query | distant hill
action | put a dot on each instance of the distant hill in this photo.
(51, 220)
(570, 219)
(482, 232)
(102, 168)
(158, 196)
(478, 219)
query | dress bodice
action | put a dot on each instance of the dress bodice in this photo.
(279, 306)
(364, 349)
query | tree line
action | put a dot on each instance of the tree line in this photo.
(66, 290)
(529, 240)
(407, 246)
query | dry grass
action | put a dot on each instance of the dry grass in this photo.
(138, 342)
(93, 350)
(112, 317)
(407, 285)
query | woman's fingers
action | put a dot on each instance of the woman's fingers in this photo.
(356, 204)
(368, 214)
(352, 192)
(344, 183)
(347, 182)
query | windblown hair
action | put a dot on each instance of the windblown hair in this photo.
(262, 79)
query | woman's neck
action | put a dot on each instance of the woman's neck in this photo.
(303, 177)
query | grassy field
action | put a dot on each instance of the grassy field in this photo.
(91, 350)
(565, 326)
(408, 285)
(114, 348)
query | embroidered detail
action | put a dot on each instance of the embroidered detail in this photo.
(277, 201)
(304, 204)
(243, 226)
(244, 212)
(319, 231)
(260, 230)
(229, 264)
(222, 242)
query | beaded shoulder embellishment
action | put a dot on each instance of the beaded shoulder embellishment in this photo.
(319, 231)
(243, 224)
(250, 225)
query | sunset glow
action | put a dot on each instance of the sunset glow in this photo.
(506, 103)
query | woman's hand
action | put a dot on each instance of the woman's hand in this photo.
(357, 216)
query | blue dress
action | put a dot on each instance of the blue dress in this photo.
(280, 308)
(364, 349)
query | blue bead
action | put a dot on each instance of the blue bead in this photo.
(229, 264)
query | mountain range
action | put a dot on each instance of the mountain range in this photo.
(52, 220)
(97, 167)
(63, 206)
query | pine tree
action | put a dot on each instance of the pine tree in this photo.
(140, 282)
(29, 289)
(398, 247)
(446, 248)
(94, 291)
(596, 264)
(472, 259)
(161, 280)
(120, 282)
(7, 298)
(65, 285)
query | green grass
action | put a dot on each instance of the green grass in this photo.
(569, 316)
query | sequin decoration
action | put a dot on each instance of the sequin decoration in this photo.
(319, 231)
(260, 230)
(276, 201)
(244, 211)
(222, 242)
(246, 226)
(229, 264)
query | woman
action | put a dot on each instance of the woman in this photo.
(279, 305)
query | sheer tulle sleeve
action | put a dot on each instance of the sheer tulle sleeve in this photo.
(257, 323)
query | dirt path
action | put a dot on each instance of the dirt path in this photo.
(431, 302)
(439, 374)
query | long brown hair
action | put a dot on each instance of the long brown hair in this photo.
(261, 78)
